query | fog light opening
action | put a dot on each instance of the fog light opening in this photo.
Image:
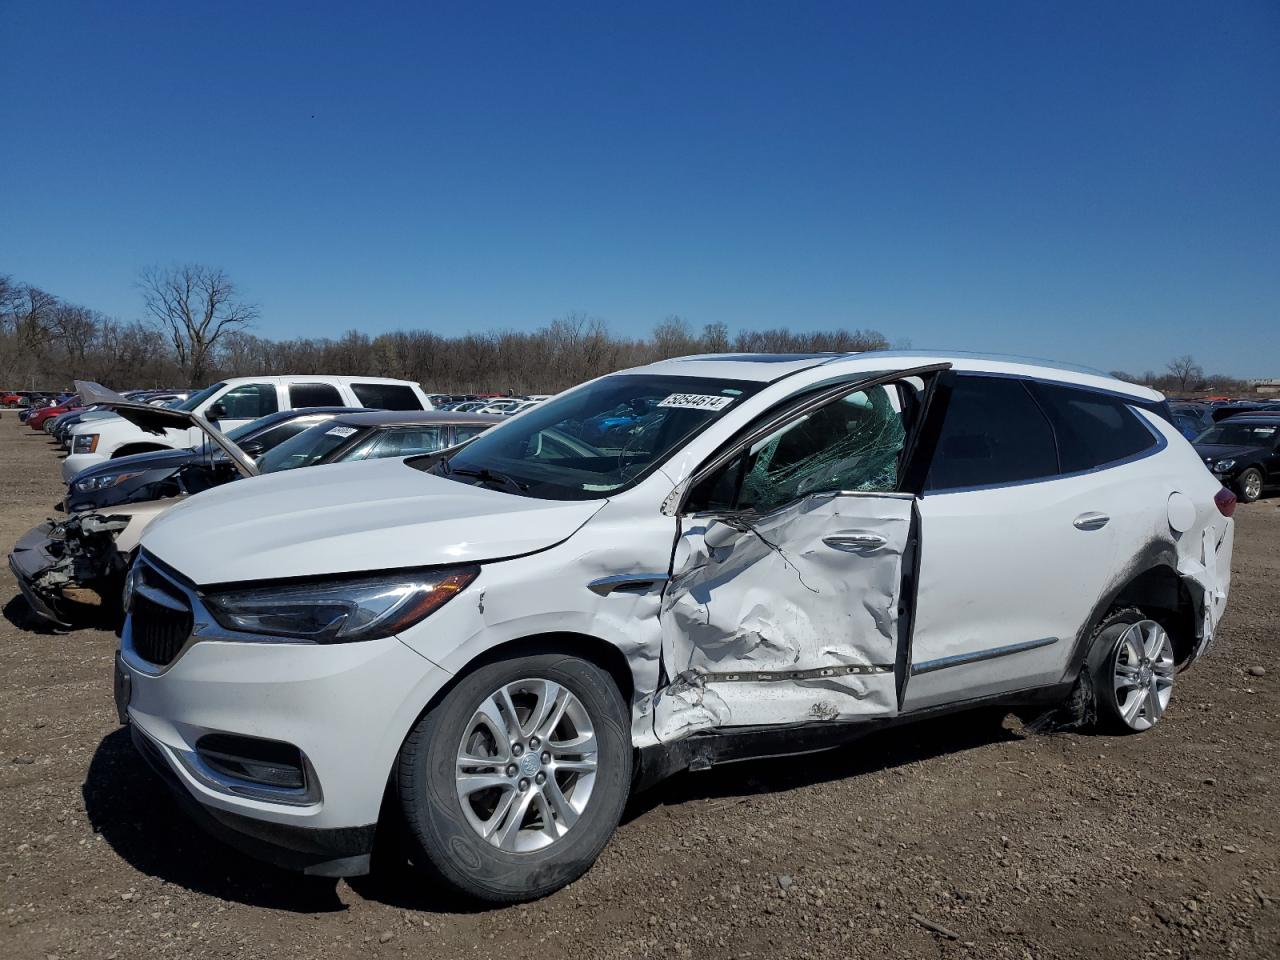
(268, 763)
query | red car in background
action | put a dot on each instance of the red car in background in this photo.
(37, 419)
(10, 399)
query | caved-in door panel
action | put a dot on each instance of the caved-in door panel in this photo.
(787, 618)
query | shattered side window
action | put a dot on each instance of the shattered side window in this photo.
(851, 444)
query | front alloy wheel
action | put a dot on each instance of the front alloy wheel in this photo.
(512, 784)
(526, 765)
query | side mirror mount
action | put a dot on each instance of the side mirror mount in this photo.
(216, 411)
(671, 505)
(719, 533)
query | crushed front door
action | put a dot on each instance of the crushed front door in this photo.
(783, 603)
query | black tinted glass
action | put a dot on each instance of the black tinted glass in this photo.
(313, 395)
(993, 433)
(1092, 429)
(386, 396)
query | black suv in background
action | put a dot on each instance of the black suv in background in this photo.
(1244, 453)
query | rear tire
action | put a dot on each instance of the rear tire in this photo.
(1249, 485)
(513, 783)
(1132, 666)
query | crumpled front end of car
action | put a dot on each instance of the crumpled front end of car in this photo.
(70, 569)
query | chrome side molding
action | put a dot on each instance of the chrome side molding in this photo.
(959, 659)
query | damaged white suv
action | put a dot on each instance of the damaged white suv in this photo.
(698, 561)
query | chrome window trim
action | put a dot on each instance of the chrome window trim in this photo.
(1161, 442)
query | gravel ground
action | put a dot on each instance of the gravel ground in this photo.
(958, 838)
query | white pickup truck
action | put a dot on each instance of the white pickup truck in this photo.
(230, 403)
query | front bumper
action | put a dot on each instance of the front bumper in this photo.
(332, 852)
(346, 707)
(29, 559)
(80, 461)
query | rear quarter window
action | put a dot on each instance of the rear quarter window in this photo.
(303, 395)
(386, 396)
(1092, 429)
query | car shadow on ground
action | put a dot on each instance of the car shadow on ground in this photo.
(134, 812)
(19, 613)
(874, 753)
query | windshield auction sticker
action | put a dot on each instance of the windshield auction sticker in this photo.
(696, 401)
(340, 431)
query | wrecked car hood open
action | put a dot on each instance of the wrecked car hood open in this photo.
(353, 517)
(159, 419)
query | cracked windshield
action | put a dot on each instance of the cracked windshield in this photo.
(595, 441)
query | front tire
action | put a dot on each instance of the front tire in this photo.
(513, 783)
(1249, 485)
(1132, 665)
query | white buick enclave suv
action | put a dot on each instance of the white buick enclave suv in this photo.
(702, 560)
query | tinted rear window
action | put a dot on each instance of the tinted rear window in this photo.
(387, 396)
(994, 433)
(1092, 429)
(314, 395)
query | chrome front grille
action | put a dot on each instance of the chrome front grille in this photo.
(159, 618)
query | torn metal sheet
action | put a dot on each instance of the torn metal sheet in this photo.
(1207, 573)
(788, 618)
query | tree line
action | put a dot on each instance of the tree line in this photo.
(1184, 377)
(198, 330)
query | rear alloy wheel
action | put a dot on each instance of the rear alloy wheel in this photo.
(1133, 672)
(1249, 485)
(513, 783)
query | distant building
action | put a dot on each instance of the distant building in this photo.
(1268, 385)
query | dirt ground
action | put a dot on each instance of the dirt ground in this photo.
(955, 838)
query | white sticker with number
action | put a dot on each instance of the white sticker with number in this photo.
(340, 431)
(696, 401)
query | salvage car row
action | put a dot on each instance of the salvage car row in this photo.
(493, 642)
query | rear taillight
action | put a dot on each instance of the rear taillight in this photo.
(1226, 502)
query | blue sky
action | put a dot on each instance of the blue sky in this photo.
(1096, 183)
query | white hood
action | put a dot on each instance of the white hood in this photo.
(351, 517)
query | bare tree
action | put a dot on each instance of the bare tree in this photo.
(715, 337)
(1185, 371)
(194, 306)
(671, 338)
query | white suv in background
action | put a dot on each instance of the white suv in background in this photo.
(703, 560)
(231, 403)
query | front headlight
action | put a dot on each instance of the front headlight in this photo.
(1222, 466)
(106, 480)
(340, 611)
(84, 443)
